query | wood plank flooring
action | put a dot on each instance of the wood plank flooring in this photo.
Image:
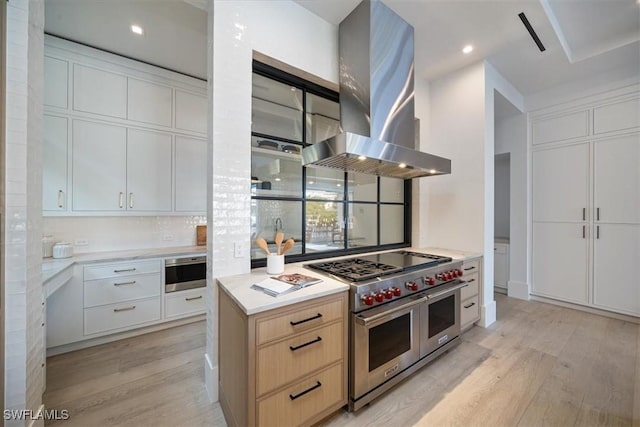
(538, 365)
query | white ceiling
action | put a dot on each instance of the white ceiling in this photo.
(584, 38)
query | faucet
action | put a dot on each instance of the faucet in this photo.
(278, 220)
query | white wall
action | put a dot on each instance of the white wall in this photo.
(511, 137)
(501, 191)
(286, 32)
(23, 226)
(122, 233)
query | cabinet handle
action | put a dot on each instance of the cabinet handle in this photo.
(584, 231)
(470, 305)
(597, 231)
(597, 214)
(193, 298)
(130, 200)
(123, 270)
(298, 347)
(60, 194)
(468, 268)
(125, 283)
(120, 199)
(117, 310)
(471, 280)
(584, 214)
(302, 393)
(317, 316)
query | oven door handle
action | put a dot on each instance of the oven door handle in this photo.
(365, 321)
(448, 291)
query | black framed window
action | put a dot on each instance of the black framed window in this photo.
(327, 212)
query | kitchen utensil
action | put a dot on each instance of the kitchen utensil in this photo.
(201, 235)
(270, 145)
(279, 239)
(262, 244)
(287, 246)
(62, 250)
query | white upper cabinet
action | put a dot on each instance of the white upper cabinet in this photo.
(56, 72)
(616, 254)
(148, 171)
(561, 183)
(560, 128)
(191, 174)
(99, 166)
(617, 116)
(99, 92)
(617, 179)
(149, 103)
(191, 112)
(54, 168)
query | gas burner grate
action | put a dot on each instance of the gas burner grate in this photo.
(438, 258)
(355, 269)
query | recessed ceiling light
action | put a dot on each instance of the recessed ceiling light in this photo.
(338, 185)
(277, 179)
(136, 29)
(467, 49)
(311, 182)
(362, 158)
(432, 171)
(402, 165)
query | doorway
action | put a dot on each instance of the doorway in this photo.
(502, 221)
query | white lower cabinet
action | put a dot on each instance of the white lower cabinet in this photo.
(501, 265)
(470, 295)
(184, 303)
(121, 315)
(615, 272)
(560, 254)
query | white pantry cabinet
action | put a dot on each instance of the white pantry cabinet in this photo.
(54, 166)
(592, 259)
(127, 123)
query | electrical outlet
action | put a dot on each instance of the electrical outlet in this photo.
(238, 250)
(167, 237)
(81, 242)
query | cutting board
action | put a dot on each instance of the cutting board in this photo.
(201, 235)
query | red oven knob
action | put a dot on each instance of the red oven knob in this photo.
(388, 294)
(447, 275)
(460, 273)
(454, 273)
(430, 281)
(396, 291)
(367, 299)
(379, 297)
(411, 286)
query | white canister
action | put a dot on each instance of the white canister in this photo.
(62, 250)
(275, 264)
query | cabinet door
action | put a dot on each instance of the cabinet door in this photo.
(617, 179)
(99, 92)
(148, 102)
(501, 265)
(560, 183)
(54, 163)
(191, 174)
(560, 259)
(148, 171)
(616, 255)
(99, 166)
(191, 112)
(55, 82)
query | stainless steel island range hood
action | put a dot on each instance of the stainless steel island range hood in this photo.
(376, 100)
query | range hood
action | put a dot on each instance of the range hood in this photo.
(376, 100)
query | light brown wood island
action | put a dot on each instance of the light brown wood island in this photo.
(283, 360)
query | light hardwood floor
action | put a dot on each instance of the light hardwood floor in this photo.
(538, 365)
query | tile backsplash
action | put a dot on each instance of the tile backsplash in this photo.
(122, 233)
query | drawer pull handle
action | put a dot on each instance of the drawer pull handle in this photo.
(302, 393)
(468, 268)
(120, 202)
(317, 316)
(125, 283)
(126, 269)
(298, 347)
(471, 280)
(117, 310)
(470, 305)
(193, 298)
(60, 194)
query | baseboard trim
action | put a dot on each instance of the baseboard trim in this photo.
(487, 314)
(592, 310)
(211, 379)
(518, 290)
(53, 351)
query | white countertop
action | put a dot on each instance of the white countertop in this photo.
(252, 301)
(53, 267)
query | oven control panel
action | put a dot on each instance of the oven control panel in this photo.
(392, 288)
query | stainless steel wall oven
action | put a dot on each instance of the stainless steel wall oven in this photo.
(185, 273)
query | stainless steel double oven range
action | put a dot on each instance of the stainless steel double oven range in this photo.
(405, 312)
